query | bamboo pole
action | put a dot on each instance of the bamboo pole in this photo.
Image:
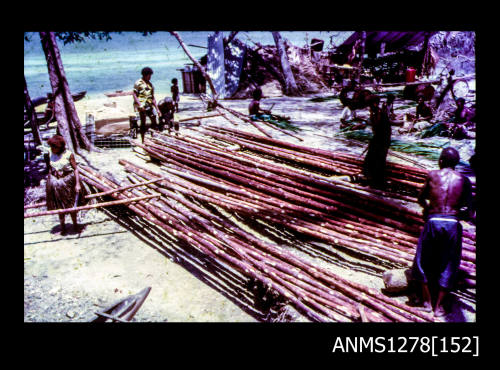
(108, 192)
(247, 119)
(81, 208)
(199, 117)
(36, 205)
(253, 123)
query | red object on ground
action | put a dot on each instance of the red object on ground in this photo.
(410, 74)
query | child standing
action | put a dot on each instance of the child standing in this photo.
(175, 94)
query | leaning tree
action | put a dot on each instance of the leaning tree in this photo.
(68, 123)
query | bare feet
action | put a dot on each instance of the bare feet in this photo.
(427, 307)
(439, 312)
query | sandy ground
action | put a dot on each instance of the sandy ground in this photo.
(67, 278)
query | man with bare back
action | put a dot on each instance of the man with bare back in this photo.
(446, 198)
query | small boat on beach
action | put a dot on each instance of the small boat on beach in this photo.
(42, 117)
(124, 309)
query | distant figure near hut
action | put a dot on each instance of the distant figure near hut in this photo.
(354, 97)
(175, 94)
(423, 111)
(462, 121)
(374, 165)
(144, 100)
(166, 107)
(446, 198)
(63, 181)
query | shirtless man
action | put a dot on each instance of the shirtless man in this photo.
(254, 107)
(446, 198)
(461, 121)
(167, 108)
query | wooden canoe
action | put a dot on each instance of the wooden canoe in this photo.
(124, 309)
(43, 100)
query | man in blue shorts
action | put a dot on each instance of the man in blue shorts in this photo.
(446, 198)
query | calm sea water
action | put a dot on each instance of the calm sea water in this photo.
(106, 66)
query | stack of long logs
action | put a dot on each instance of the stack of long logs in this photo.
(408, 179)
(300, 201)
(316, 292)
(204, 176)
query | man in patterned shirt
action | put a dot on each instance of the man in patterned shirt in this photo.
(144, 100)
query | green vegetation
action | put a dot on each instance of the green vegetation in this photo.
(320, 99)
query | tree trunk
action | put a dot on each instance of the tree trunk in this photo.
(68, 123)
(30, 111)
(426, 60)
(290, 84)
(196, 63)
(362, 47)
(230, 38)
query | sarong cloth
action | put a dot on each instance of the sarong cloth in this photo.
(60, 185)
(439, 250)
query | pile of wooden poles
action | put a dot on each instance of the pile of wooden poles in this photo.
(207, 188)
(299, 201)
(316, 292)
(408, 179)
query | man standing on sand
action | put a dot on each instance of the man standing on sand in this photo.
(374, 164)
(439, 249)
(144, 100)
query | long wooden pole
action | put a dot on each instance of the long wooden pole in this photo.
(36, 205)
(199, 117)
(95, 195)
(81, 208)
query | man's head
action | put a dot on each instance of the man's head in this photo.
(461, 102)
(168, 103)
(257, 94)
(174, 81)
(420, 98)
(449, 158)
(390, 98)
(146, 73)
